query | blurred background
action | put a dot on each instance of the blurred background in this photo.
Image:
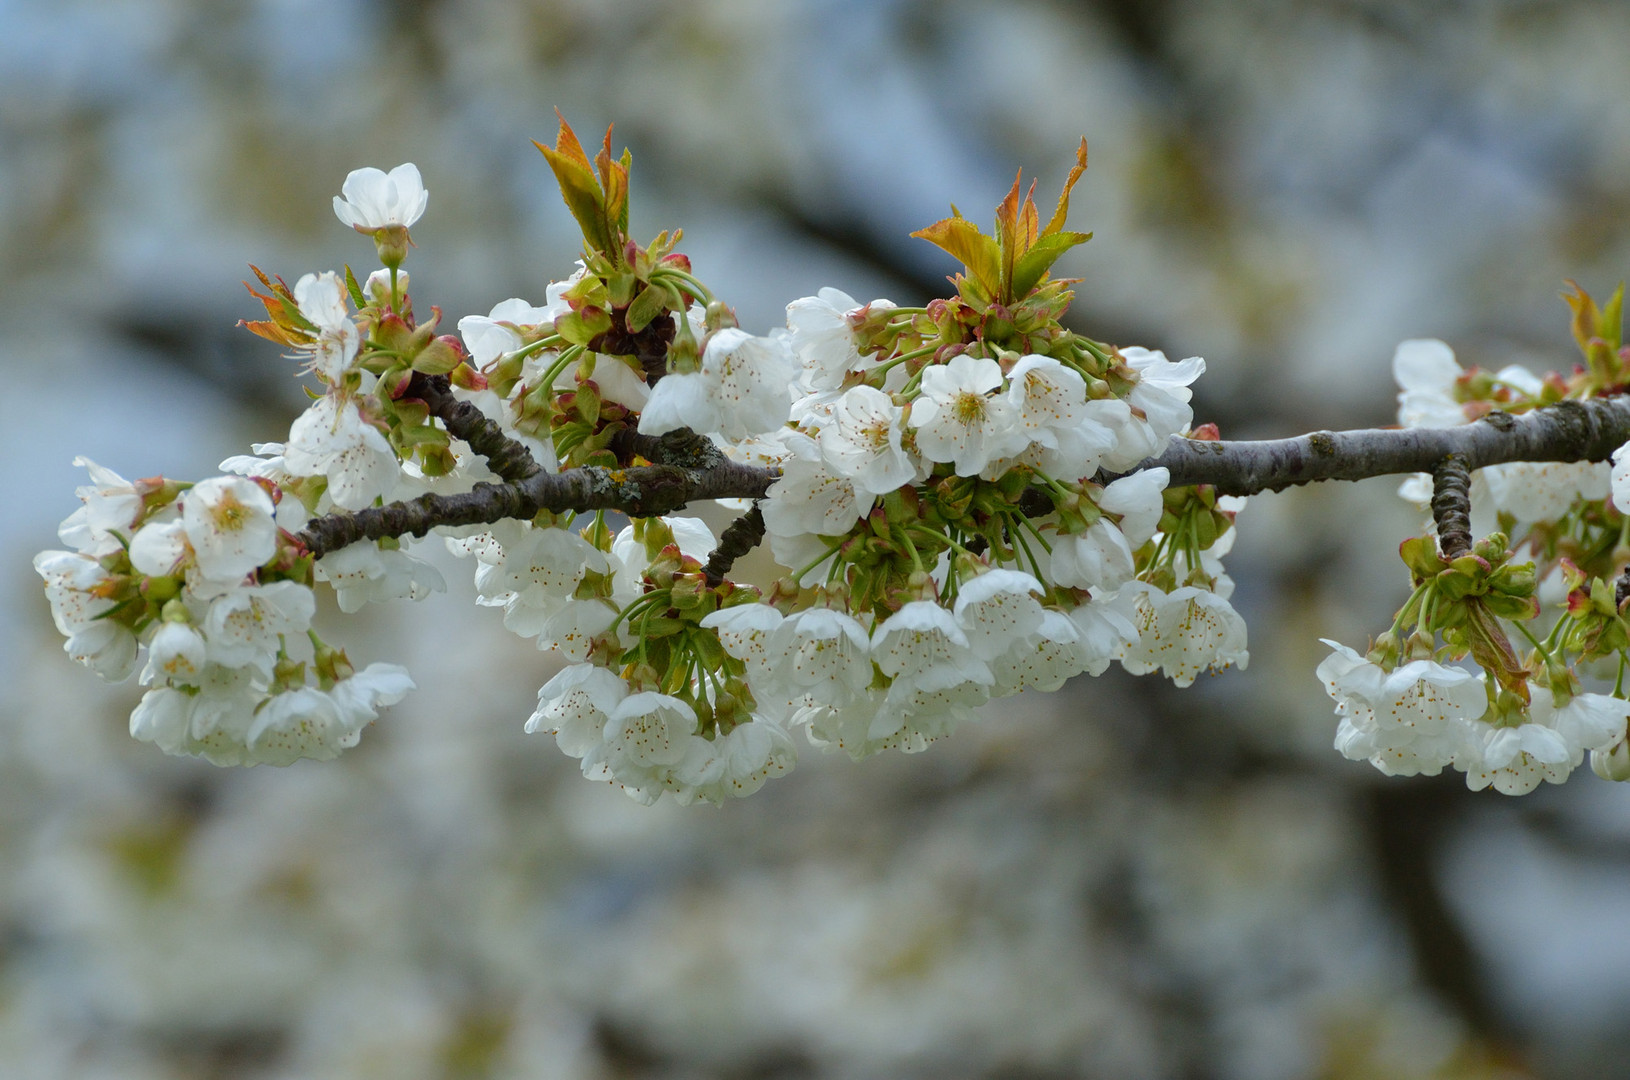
(1119, 880)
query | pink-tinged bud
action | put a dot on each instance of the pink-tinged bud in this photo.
(271, 489)
(397, 389)
(678, 259)
(1206, 433)
(466, 377)
(441, 356)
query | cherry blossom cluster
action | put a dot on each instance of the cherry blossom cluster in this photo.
(950, 492)
(204, 577)
(1523, 717)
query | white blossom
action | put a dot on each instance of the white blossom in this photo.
(322, 300)
(811, 498)
(745, 633)
(735, 764)
(375, 200)
(957, 419)
(996, 609)
(751, 379)
(231, 525)
(1415, 719)
(362, 694)
(300, 723)
(163, 717)
(1136, 500)
(646, 735)
(175, 655)
(490, 336)
(862, 441)
(629, 560)
(1587, 722)
(1161, 395)
(1097, 558)
(913, 715)
(1426, 372)
(332, 439)
(572, 628)
(364, 573)
(1052, 412)
(1532, 491)
(1043, 659)
(575, 705)
(242, 624)
(823, 339)
(922, 644)
(1621, 479)
(823, 655)
(107, 648)
(112, 507)
(1513, 760)
(685, 399)
(74, 587)
(1182, 633)
(160, 545)
(1105, 632)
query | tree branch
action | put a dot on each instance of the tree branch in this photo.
(643, 491)
(687, 467)
(1568, 431)
(742, 536)
(1452, 506)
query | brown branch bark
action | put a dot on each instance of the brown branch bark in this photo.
(1452, 506)
(1569, 431)
(742, 536)
(686, 467)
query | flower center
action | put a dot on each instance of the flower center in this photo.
(229, 514)
(969, 409)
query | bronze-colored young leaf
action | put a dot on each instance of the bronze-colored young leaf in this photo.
(976, 251)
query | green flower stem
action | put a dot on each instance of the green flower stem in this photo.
(696, 289)
(832, 550)
(880, 369)
(566, 358)
(1534, 641)
(645, 600)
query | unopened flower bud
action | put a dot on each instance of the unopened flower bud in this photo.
(1613, 764)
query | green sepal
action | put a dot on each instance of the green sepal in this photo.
(647, 306)
(583, 326)
(1420, 554)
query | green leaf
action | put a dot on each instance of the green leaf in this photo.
(1610, 323)
(351, 286)
(1033, 265)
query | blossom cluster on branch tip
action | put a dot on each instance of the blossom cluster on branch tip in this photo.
(1524, 717)
(956, 498)
(940, 501)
